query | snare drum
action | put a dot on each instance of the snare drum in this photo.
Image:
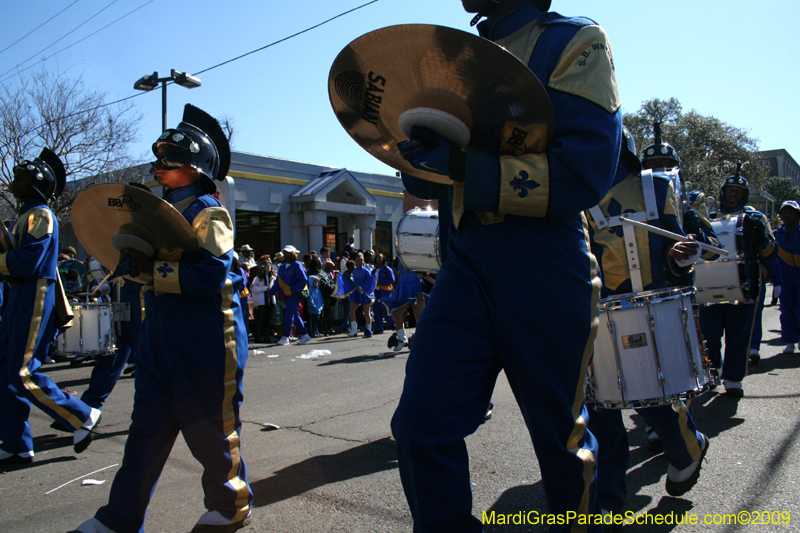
(92, 331)
(417, 241)
(648, 351)
(733, 279)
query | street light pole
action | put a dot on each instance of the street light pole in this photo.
(151, 81)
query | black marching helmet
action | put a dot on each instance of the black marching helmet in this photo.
(737, 180)
(199, 142)
(628, 152)
(659, 150)
(542, 5)
(48, 173)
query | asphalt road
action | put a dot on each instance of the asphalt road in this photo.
(332, 468)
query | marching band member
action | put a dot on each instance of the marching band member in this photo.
(659, 258)
(532, 204)
(291, 281)
(736, 321)
(193, 346)
(362, 295)
(787, 239)
(384, 283)
(31, 316)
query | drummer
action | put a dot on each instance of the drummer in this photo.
(737, 321)
(469, 331)
(685, 446)
(31, 317)
(192, 348)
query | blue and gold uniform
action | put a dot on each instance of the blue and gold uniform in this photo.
(384, 283)
(788, 242)
(290, 282)
(191, 357)
(673, 423)
(28, 326)
(736, 322)
(528, 206)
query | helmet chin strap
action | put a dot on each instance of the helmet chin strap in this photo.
(485, 13)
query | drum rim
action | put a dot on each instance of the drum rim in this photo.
(639, 299)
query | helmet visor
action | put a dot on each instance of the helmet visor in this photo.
(171, 157)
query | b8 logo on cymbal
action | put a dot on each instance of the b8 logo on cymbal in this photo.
(124, 202)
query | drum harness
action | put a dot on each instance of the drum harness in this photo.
(628, 231)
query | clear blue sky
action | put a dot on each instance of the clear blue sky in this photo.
(731, 59)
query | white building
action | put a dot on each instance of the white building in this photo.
(275, 202)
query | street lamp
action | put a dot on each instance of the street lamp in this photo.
(151, 81)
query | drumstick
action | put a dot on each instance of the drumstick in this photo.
(674, 236)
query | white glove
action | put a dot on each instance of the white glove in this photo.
(776, 291)
(692, 259)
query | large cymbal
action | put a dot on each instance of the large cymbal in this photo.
(112, 216)
(383, 74)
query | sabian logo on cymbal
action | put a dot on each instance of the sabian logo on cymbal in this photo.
(125, 203)
(362, 93)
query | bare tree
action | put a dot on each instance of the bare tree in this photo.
(59, 112)
(228, 128)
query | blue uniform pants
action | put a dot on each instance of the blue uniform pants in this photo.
(291, 316)
(29, 316)
(790, 312)
(468, 332)
(674, 426)
(190, 384)
(380, 312)
(736, 323)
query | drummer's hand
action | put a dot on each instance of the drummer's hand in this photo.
(427, 150)
(684, 250)
(143, 263)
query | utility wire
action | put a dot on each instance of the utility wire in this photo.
(218, 65)
(76, 42)
(287, 38)
(39, 26)
(59, 39)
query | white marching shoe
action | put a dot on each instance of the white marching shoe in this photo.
(790, 348)
(304, 339)
(283, 341)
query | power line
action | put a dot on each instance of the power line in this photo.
(217, 65)
(59, 39)
(39, 26)
(287, 38)
(76, 42)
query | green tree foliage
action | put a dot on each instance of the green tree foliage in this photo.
(59, 112)
(708, 147)
(781, 189)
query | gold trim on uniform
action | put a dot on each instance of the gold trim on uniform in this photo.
(586, 69)
(522, 42)
(214, 230)
(3, 264)
(228, 415)
(579, 429)
(689, 436)
(24, 373)
(181, 205)
(40, 223)
(166, 277)
(524, 185)
(787, 257)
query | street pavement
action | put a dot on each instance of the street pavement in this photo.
(331, 467)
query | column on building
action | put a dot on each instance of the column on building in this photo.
(315, 221)
(297, 232)
(365, 225)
